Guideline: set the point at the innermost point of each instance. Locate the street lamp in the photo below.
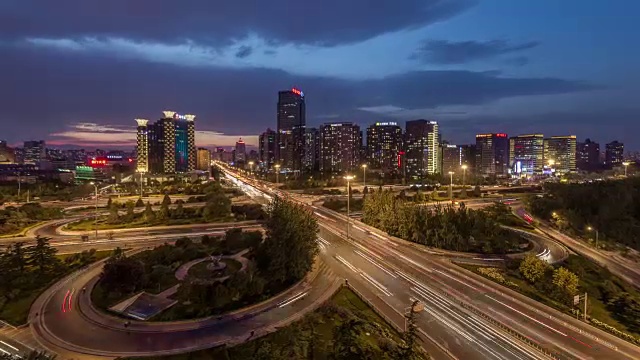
(451, 186)
(626, 165)
(277, 166)
(464, 174)
(364, 176)
(95, 224)
(348, 178)
(596, 230)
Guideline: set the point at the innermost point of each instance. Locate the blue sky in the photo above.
(79, 72)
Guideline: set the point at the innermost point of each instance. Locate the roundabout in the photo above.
(64, 320)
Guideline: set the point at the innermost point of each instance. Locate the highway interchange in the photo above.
(465, 317)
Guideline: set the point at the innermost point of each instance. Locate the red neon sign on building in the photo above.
(297, 92)
(501, 135)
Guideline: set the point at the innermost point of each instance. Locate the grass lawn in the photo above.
(592, 277)
(200, 270)
(89, 224)
(22, 231)
(343, 305)
(16, 312)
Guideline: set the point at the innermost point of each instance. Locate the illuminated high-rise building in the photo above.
(340, 145)
(560, 154)
(588, 155)
(203, 162)
(171, 144)
(311, 150)
(450, 157)
(142, 146)
(492, 155)
(384, 143)
(291, 129)
(267, 148)
(241, 153)
(422, 148)
(526, 154)
(34, 152)
(614, 154)
(7, 154)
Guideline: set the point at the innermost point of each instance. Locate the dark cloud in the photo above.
(326, 22)
(51, 90)
(244, 51)
(517, 61)
(450, 52)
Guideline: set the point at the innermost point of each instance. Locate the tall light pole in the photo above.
(596, 230)
(364, 176)
(140, 184)
(464, 174)
(451, 186)
(277, 166)
(626, 165)
(95, 223)
(348, 178)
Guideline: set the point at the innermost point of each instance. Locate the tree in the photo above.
(410, 349)
(533, 268)
(565, 284)
(148, 214)
(123, 275)
(163, 213)
(218, 206)
(42, 256)
(130, 213)
(347, 344)
(114, 217)
(290, 247)
(109, 203)
(139, 203)
(178, 212)
(17, 256)
(476, 191)
(166, 200)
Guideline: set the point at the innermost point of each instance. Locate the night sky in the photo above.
(78, 72)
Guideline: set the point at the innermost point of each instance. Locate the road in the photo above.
(398, 272)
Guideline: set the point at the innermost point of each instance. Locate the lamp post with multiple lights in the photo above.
(95, 222)
(348, 178)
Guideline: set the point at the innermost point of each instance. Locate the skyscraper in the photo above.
(526, 154)
(203, 162)
(291, 125)
(384, 143)
(339, 147)
(241, 153)
(560, 153)
(614, 153)
(451, 158)
(311, 150)
(468, 157)
(421, 144)
(492, 154)
(142, 146)
(588, 155)
(7, 154)
(34, 151)
(267, 148)
(170, 143)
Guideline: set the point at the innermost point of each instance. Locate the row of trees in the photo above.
(27, 268)
(609, 206)
(444, 227)
(560, 283)
(13, 219)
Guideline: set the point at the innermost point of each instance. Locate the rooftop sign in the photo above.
(297, 92)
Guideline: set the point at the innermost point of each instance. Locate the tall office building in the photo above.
(588, 155)
(340, 145)
(560, 153)
(421, 148)
(203, 161)
(34, 151)
(468, 157)
(384, 143)
(526, 154)
(451, 158)
(291, 125)
(142, 146)
(240, 158)
(492, 155)
(170, 143)
(311, 150)
(267, 148)
(614, 153)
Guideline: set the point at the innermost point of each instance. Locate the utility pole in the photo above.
(585, 307)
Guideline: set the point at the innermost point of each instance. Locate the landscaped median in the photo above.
(613, 305)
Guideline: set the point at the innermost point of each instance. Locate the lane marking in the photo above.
(525, 315)
(293, 299)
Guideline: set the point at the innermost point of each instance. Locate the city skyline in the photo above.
(448, 61)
